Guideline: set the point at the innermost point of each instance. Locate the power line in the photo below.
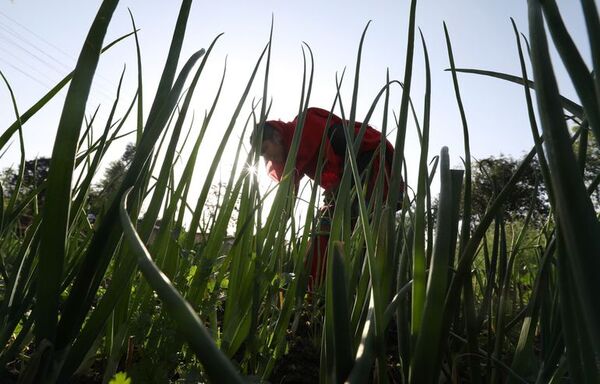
(105, 86)
(40, 76)
(25, 73)
(30, 53)
(23, 40)
(69, 56)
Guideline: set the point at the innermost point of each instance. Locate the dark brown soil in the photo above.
(300, 365)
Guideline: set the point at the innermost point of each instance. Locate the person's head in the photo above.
(272, 148)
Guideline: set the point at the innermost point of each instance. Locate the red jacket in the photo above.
(310, 142)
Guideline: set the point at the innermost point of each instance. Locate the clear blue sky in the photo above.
(40, 41)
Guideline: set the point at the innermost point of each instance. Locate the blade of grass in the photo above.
(427, 345)
(7, 134)
(170, 68)
(123, 274)
(193, 294)
(567, 104)
(576, 68)
(53, 233)
(155, 204)
(419, 256)
(140, 93)
(532, 120)
(592, 22)
(107, 236)
(216, 364)
(340, 316)
(21, 170)
(364, 354)
(574, 209)
(579, 346)
(466, 220)
(93, 166)
(396, 180)
(505, 286)
(188, 242)
(524, 349)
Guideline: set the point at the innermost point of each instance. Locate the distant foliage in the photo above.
(492, 173)
(120, 378)
(34, 174)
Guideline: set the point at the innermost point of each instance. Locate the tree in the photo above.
(491, 174)
(35, 173)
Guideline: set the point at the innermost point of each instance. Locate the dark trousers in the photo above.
(318, 247)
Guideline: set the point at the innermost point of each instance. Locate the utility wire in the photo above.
(102, 84)
(24, 73)
(39, 37)
(5, 32)
(11, 52)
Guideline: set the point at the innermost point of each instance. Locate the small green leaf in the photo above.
(120, 378)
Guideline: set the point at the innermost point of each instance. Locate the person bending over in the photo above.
(276, 143)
